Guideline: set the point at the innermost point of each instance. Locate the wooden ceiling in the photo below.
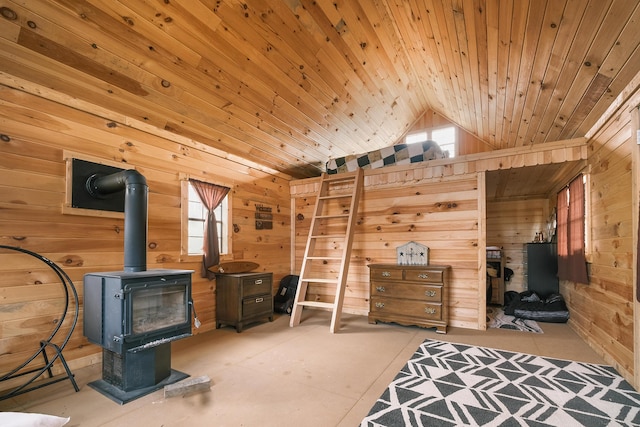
(531, 182)
(288, 84)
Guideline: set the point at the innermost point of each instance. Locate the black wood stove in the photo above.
(136, 313)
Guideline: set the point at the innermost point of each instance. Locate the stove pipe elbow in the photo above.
(135, 212)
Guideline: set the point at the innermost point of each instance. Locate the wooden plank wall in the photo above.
(441, 204)
(35, 134)
(635, 158)
(602, 311)
(467, 143)
(441, 213)
(511, 224)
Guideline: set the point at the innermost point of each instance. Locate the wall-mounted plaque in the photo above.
(412, 253)
(264, 218)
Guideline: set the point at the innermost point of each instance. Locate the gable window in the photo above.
(445, 137)
(572, 263)
(205, 234)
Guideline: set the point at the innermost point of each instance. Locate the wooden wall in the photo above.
(467, 143)
(511, 224)
(398, 205)
(35, 134)
(603, 311)
(441, 204)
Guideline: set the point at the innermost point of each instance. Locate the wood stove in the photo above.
(135, 314)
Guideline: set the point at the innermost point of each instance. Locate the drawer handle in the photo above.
(430, 293)
(423, 275)
(380, 288)
(258, 282)
(386, 274)
(430, 310)
(259, 300)
(379, 305)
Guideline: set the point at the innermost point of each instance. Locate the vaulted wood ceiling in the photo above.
(288, 84)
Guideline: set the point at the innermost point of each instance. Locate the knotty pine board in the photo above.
(602, 311)
(40, 133)
(440, 218)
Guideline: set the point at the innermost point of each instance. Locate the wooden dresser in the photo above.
(243, 298)
(409, 295)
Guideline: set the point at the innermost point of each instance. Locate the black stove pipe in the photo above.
(135, 212)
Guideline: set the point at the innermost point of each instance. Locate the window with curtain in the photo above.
(572, 264)
(206, 222)
(197, 214)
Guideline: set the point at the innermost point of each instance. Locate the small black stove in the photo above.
(136, 313)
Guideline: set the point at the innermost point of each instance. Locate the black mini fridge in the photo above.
(542, 269)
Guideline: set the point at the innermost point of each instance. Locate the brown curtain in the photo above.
(562, 218)
(572, 263)
(211, 196)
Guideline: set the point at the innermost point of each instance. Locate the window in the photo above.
(445, 137)
(194, 216)
(572, 263)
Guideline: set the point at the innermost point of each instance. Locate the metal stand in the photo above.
(130, 375)
(37, 372)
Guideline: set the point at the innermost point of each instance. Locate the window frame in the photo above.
(429, 137)
(586, 230)
(586, 181)
(184, 223)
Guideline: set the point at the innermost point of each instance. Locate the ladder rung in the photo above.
(325, 257)
(316, 304)
(328, 236)
(339, 177)
(332, 216)
(302, 279)
(336, 196)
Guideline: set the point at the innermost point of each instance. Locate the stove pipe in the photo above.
(135, 212)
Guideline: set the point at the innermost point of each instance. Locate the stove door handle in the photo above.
(196, 321)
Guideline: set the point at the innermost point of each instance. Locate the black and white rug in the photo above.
(496, 318)
(448, 384)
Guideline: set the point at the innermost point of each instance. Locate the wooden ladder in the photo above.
(331, 230)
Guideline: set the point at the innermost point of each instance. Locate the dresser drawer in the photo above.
(430, 293)
(425, 275)
(256, 285)
(385, 274)
(256, 306)
(243, 298)
(409, 295)
(416, 309)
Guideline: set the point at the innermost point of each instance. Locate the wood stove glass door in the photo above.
(158, 308)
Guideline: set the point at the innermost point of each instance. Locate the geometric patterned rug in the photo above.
(449, 384)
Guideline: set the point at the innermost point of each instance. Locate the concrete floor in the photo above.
(274, 375)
